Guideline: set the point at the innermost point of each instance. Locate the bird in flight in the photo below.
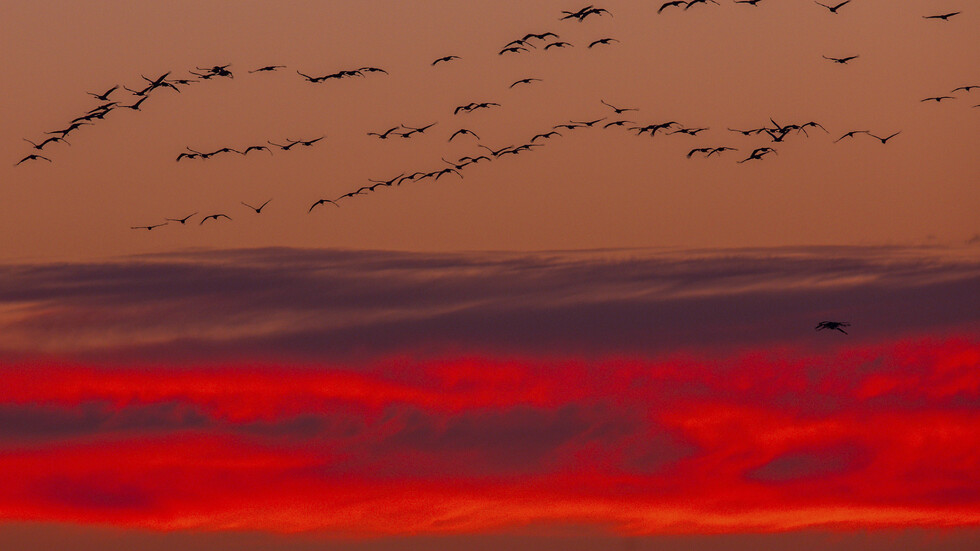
(463, 131)
(671, 4)
(692, 2)
(944, 17)
(268, 68)
(964, 88)
(322, 201)
(181, 220)
(885, 140)
(841, 60)
(513, 49)
(759, 153)
(546, 135)
(215, 217)
(938, 99)
(446, 59)
(558, 44)
(525, 81)
(187, 156)
(41, 145)
(256, 148)
(617, 110)
(749, 2)
(33, 157)
(602, 41)
(147, 227)
(833, 9)
(105, 95)
(832, 325)
(258, 209)
(851, 134)
(136, 106)
(384, 135)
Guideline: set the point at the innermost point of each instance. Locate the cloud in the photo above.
(358, 305)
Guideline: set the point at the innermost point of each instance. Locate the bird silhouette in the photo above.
(749, 2)
(312, 79)
(463, 131)
(617, 110)
(851, 134)
(617, 123)
(372, 70)
(147, 227)
(833, 9)
(446, 59)
(885, 140)
(322, 201)
(33, 157)
(306, 143)
(258, 209)
(525, 81)
(181, 220)
(546, 135)
(964, 88)
(71, 127)
(384, 135)
(671, 4)
(558, 44)
(944, 17)
(704, 150)
(720, 150)
(541, 36)
(938, 99)
(841, 60)
(268, 68)
(136, 106)
(105, 95)
(513, 49)
(692, 2)
(759, 153)
(602, 41)
(832, 325)
(214, 217)
(256, 148)
(187, 156)
(41, 145)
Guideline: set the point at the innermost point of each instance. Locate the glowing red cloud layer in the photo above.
(769, 440)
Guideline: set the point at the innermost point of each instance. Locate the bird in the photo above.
(749, 2)
(256, 148)
(372, 70)
(833, 9)
(268, 68)
(688, 131)
(546, 135)
(41, 145)
(748, 132)
(938, 99)
(699, 150)
(851, 134)
(602, 41)
(832, 325)
(558, 44)
(496, 153)
(541, 36)
(519, 42)
(525, 81)
(384, 135)
(416, 130)
(71, 127)
(692, 2)
(320, 202)
(617, 110)
(258, 209)
(589, 124)
(758, 153)
(33, 157)
(181, 220)
(513, 49)
(136, 106)
(306, 143)
(446, 59)
(720, 150)
(885, 140)
(147, 227)
(105, 95)
(311, 78)
(944, 17)
(283, 147)
(841, 60)
(617, 123)
(671, 4)
(215, 217)
(224, 150)
(187, 156)
(964, 88)
(463, 131)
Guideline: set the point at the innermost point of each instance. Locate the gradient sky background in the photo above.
(596, 344)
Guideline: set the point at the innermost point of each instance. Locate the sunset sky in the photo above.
(602, 342)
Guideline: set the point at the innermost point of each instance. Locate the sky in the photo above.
(605, 340)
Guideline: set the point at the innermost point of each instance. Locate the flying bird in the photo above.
(463, 131)
(105, 95)
(964, 88)
(541, 36)
(136, 106)
(187, 156)
(671, 4)
(937, 99)
(944, 17)
(384, 135)
(832, 325)
(558, 44)
(181, 220)
(256, 148)
(147, 227)
(617, 110)
(41, 145)
(749, 2)
(215, 217)
(851, 134)
(546, 135)
(525, 81)
(692, 2)
(513, 49)
(322, 201)
(759, 153)
(446, 59)
(833, 9)
(268, 68)
(841, 60)
(258, 209)
(603, 41)
(885, 140)
(33, 157)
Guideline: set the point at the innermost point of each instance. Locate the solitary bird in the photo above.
(525, 81)
(105, 95)
(322, 201)
(258, 209)
(833, 9)
(964, 88)
(147, 227)
(268, 68)
(181, 220)
(603, 41)
(885, 140)
(215, 217)
(944, 17)
(33, 157)
(938, 99)
(617, 110)
(851, 134)
(841, 60)
(446, 59)
(832, 325)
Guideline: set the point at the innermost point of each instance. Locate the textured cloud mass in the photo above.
(371, 393)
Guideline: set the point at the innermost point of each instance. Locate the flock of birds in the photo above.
(616, 117)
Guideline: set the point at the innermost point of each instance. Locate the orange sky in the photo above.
(712, 66)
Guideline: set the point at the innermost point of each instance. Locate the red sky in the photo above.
(597, 343)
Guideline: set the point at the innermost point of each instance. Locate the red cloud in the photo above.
(869, 436)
